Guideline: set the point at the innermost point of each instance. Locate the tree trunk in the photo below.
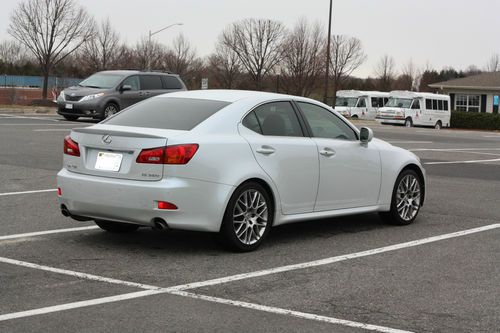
(334, 96)
(46, 73)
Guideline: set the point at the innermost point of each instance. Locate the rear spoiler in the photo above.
(89, 130)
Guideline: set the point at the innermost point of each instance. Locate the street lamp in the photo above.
(154, 33)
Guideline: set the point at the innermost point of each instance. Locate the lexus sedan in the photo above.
(234, 163)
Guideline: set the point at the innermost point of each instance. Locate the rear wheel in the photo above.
(248, 218)
(71, 118)
(116, 227)
(406, 199)
(408, 122)
(355, 117)
(438, 125)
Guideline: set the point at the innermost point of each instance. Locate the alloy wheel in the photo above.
(250, 216)
(110, 110)
(408, 197)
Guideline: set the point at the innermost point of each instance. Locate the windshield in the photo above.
(346, 101)
(399, 102)
(101, 80)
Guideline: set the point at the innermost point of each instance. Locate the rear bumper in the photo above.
(200, 204)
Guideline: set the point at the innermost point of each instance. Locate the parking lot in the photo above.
(353, 274)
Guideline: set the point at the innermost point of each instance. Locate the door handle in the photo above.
(327, 152)
(266, 150)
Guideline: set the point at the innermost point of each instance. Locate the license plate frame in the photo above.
(69, 106)
(106, 161)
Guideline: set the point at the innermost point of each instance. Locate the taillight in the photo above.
(166, 205)
(178, 154)
(71, 147)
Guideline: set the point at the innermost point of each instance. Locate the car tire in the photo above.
(116, 227)
(355, 117)
(248, 218)
(71, 118)
(438, 125)
(407, 197)
(109, 110)
(408, 122)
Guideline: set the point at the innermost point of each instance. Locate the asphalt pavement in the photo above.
(352, 274)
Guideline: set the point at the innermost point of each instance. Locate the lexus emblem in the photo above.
(106, 139)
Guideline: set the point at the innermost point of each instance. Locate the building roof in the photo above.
(484, 81)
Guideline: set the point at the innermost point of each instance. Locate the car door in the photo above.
(350, 172)
(151, 85)
(288, 157)
(132, 96)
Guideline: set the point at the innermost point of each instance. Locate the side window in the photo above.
(440, 104)
(251, 122)
(325, 124)
(445, 105)
(278, 119)
(416, 104)
(132, 81)
(361, 103)
(375, 103)
(428, 104)
(171, 82)
(151, 82)
(434, 104)
(386, 99)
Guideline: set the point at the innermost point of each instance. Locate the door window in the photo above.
(132, 81)
(151, 82)
(251, 122)
(278, 119)
(361, 103)
(325, 124)
(416, 104)
(171, 82)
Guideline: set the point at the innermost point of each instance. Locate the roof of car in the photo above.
(128, 72)
(230, 96)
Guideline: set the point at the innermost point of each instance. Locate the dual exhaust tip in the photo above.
(158, 222)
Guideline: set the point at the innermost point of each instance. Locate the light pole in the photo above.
(327, 72)
(154, 33)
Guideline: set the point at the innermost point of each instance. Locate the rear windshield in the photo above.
(167, 113)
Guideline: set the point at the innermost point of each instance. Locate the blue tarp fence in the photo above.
(36, 81)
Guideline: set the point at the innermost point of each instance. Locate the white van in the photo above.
(360, 104)
(416, 109)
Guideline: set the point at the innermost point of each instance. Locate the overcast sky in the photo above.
(442, 33)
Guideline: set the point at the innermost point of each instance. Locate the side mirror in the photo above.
(365, 135)
(126, 87)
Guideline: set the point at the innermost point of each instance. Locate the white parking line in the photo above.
(290, 313)
(453, 149)
(27, 117)
(27, 192)
(46, 232)
(47, 124)
(463, 162)
(76, 274)
(180, 288)
(397, 141)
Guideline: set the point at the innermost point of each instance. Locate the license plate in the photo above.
(69, 106)
(108, 161)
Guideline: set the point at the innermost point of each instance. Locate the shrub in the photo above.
(474, 120)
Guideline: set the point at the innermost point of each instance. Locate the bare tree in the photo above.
(346, 56)
(385, 72)
(493, 64)
(302, 62)
(12, 52)
(225, 65)
(408, 77)
(99, 52)
(148, 54)
(257, 42)
(51, 30)
(180, 57)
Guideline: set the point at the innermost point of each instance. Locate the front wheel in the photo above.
(406, 199)
(116, 227)
(408, 122)
(109, 110)
(438, 125)
(248, 218)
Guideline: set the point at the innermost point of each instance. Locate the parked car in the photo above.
(105, 93)
(233, 163)
(416, 109)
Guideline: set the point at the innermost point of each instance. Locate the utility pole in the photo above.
(327, 69)
(151, 34)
